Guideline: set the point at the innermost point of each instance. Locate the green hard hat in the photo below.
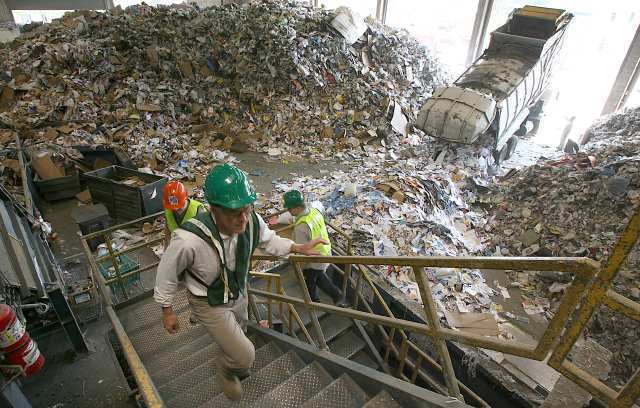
(293, 198)
(228, 186)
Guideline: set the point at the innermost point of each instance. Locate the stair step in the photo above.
(262, 382)
(299, 388)
(155, 340)
(186, 363)
(382, 400)
(148, 313)
(341, 393)
(332, 325)
(347, 344)
(362, 357)
(292, 288)
(199, 386)
(165, 360)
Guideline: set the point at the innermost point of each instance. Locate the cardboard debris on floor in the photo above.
(482, 324)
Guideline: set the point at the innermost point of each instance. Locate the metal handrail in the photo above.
(584, 294)
(293, 313)
(584, 270)
(147, 388)
(404, 359)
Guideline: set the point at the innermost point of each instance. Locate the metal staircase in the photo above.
(340, 333)
(286, 372)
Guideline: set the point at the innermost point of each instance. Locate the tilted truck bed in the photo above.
(493, 96)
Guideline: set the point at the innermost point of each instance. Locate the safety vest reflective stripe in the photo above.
(219, 248)
(315, 221)
(192, 211)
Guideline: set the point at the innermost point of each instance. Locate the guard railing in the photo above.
(589, 289)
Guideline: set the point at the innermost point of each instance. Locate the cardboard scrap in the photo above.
(482, 324)
(200, 180)
(186, 69)
(45, 167)
(148, 107)
(84, 197)
(101, 163)
(12, 164)
(7, 97)
(152, 54)
(6, 135)
(50, 134)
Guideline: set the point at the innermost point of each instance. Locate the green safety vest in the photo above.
(315, 221)
(230, 283)
(192, 211)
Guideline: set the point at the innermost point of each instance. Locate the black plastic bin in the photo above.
(112, 155)
(59, 188)
(125, 202)
(92, 218)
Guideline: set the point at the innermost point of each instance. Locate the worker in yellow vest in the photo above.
(309, 225)
(178, 207)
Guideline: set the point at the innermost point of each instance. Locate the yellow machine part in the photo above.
(543, 13)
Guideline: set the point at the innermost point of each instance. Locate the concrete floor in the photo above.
(263, 171)
(70, 380)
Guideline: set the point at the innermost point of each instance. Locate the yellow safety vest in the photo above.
(192, 211)
(315, 221)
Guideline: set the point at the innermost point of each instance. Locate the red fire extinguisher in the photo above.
(15, 342)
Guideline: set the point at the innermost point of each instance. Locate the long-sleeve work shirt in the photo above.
(188, 251)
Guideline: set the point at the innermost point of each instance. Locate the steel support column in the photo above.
(13, 395)
(381, 10)
(479, 32)
(5, 13)
(68, 320)
(626, 78)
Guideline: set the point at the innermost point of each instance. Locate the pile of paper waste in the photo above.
(579, 206)
(182, 88)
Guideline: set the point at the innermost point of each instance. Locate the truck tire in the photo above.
(511, 145)
(500, 155)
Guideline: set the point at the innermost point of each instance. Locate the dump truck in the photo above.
(490, 102)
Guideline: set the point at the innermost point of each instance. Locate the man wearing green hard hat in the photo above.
(212, 251)
(309, 227)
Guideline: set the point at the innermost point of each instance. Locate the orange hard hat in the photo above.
(175, 195)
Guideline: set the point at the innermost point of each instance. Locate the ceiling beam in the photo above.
(626, 78)
(59, 4)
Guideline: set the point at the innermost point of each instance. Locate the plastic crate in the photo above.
(112, 155)
(59, 188)
(92, 218)
(125, 265)
(125, 202)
